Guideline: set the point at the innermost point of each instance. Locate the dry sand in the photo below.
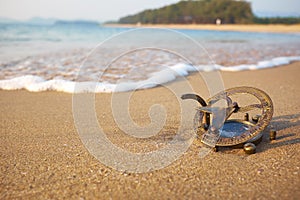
(274, 28)
(42, 156)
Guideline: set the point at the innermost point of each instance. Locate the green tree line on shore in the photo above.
(204, 12)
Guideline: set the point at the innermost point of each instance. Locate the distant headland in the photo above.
(204, 12)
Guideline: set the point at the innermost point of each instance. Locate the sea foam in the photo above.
(38, 84)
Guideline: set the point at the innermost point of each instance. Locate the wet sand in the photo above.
(273, 28)
(42, 156)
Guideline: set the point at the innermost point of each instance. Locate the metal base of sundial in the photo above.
(215, 131)
(234, 128)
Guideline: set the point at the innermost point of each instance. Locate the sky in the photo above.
(104, 10)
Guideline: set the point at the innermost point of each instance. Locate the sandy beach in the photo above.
(42, 156)
(273, 28)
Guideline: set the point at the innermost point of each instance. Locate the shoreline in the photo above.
(271, 28)
(43, 157)
(33, 83)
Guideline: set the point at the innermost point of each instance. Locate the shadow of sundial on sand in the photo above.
(285, 121)
(286, 127)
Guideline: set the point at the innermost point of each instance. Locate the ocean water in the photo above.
(56, 57)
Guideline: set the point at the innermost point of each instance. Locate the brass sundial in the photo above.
(218, 120)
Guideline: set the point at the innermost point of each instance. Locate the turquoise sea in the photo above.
(50, 57)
